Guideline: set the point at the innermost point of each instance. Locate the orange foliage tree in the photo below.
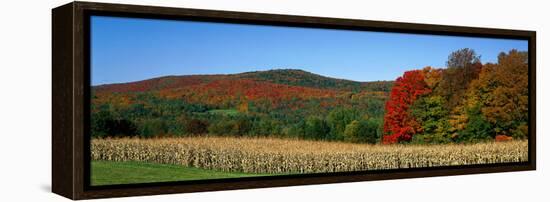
(502, 94)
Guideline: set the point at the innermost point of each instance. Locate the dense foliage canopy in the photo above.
(466, 102)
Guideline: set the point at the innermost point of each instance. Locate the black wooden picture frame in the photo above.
(71, 82)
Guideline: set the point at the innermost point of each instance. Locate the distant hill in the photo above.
(282, 102)
(289, 77)
(295, 77)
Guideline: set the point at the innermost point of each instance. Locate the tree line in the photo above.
(466, 102)
(354, 117)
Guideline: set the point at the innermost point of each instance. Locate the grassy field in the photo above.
(110, 172)
(276, 156)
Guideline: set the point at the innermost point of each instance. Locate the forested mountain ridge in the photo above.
(284, 102)
(291, 77)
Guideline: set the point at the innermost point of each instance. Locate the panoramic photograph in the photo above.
(175, 100)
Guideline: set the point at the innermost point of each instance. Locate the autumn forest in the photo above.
(467, 102)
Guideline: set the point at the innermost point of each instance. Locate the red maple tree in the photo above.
(399, 125)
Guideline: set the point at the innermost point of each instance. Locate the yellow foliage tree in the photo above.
(502, 92)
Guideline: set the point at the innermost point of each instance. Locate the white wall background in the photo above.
(25, 100)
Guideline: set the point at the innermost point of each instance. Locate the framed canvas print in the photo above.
(156, 100)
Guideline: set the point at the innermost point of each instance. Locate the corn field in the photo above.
(277, 156)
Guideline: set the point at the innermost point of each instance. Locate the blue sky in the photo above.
(128, 49)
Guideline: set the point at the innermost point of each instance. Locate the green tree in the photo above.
(104, 124)
(221, 127)
(153, 127)
(316, 128)
(242, 126)
(431, 113)
(263, 126)
(296, 130)
(477, 128)
(375, 107)
(99, 122)
(338, 119)
(363, 131)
